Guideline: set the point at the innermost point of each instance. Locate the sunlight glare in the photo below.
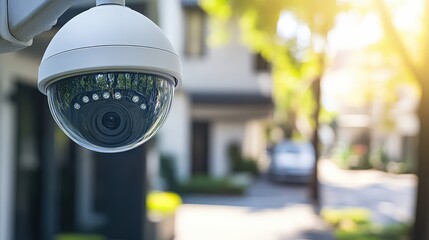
(353, 31)
(287, 26)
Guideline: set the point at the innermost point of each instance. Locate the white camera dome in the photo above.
(110, 75)
(108, 37)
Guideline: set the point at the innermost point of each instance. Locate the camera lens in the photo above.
(111, 120)
(111, 123)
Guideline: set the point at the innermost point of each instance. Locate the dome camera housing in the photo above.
(110, 75)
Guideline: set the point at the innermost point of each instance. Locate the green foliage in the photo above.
(378, 159)
(296, 63)
(353, 157)
(400, 167)
(358, 156)
(246, 165)
(76, 236)
(240, 163)
(167, 166)
(370, 232)
(344, 217)
(208, 185)
(219, 8)
(355, 224)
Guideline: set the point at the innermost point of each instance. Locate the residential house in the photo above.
(224, 100)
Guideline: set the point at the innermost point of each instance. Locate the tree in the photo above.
(413, 49)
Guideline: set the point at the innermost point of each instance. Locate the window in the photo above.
(195, 32)
(260, 64)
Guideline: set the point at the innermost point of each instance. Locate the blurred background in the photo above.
(296, 120)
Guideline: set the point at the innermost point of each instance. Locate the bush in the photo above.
(378, 159)
(355, 224)
(353, 157)
(398, 231)
(167, 166)
(208, 185)
(240, 163)
(75, 236)
(246, 165)
(358, 157)
(163, 202)
(342, 217)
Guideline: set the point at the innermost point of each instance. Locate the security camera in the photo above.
(109, 75)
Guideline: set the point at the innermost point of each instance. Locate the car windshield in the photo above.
(288, 150)
(292, 148)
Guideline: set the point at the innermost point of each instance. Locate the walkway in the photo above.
(390, 197)
(267, 212)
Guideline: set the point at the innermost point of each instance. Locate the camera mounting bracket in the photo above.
(22, 20)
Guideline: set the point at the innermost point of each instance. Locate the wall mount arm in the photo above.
(22, 20)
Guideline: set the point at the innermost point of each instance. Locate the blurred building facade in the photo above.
(49, 185)
(224, 99)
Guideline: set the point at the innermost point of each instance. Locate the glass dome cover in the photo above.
(111, 111)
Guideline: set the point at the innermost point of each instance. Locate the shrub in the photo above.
(358, 157)
(340, 217)
(75, 236)
(246, 165)
(163, 202)
(353, 157)
(240, 163)
(207, 185)
(355, 224)
(378, 159)
(167, 166)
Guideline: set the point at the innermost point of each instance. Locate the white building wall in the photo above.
(226, 68)
(174, 136)
(222, 69)
(171, 21)
(222, 135)
(255, 142)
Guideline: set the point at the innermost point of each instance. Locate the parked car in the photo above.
(292, 161)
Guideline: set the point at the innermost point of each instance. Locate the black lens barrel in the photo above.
(111, 123)
(111, 120)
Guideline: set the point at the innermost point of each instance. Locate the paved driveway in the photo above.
(267, 212)
(283, 212)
